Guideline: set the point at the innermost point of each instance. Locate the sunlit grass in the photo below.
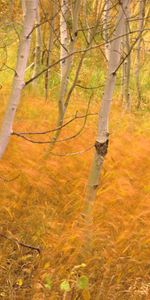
(43, 205)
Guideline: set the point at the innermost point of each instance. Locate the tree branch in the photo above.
(20, 243)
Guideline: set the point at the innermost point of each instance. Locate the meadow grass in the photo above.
(42, 207)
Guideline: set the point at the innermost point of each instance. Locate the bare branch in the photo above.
(77, 52)
(20, 243)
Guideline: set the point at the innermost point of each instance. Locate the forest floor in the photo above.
(41, 198)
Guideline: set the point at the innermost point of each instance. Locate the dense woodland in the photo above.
(74, 149)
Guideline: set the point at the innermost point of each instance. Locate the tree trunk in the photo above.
(63, 35)
(102, 140)
(137, 71)
(106, 28)
(127, 62)
(18, 80)
(65, 71)
(97, 5)
(38, 48)
(50, 46)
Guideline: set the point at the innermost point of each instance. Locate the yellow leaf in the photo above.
(19, 282)
(46, 266)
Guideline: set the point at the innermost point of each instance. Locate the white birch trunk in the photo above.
(62, 106)
(68, 63)
(18, 81)
(106, 28)
(123, 65)
(50, 46)
(137, 71)
(127, 62)
(102, 140)
(38, 47)
(63, 35)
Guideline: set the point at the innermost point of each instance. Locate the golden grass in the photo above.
(42, 207)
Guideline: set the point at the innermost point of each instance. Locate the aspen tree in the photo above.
(63, 36)
(127, 62)
(106, 28)
(101, 144)
(97, 5)
(138, 50)
(50, 46)
(38, 47)
(66, 68)
(18, 80)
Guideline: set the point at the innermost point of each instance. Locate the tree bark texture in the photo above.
(18, 80)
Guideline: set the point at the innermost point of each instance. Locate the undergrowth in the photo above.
(41, 202)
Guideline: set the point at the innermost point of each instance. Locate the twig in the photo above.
(89, 88)
(73, 153)
(74, 53)
(55, 129)
(20, 243)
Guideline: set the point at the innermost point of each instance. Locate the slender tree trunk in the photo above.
(102, 140)
(65, 71)
(50, 46)
(127, 62)
(18, 80)
(106, 28)
(63, 36)
(38, 47)
(85, 12)
(97, 5)
(137, 70)
(65, 66)
(123, 70)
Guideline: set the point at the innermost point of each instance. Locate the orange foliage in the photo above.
(42, 206)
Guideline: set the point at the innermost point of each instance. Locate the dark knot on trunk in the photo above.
(102, 148)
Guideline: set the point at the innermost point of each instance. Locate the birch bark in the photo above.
(62, 105)
(102, 140)
(127, 62)
(18, 80)
(50, 46)
(63, 35)
(38, 47)
(106, 28)
(137, 71)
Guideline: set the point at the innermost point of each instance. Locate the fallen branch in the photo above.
(20, 243)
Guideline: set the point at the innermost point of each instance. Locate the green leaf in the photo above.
(48, 282)
(83, 282)
(48, 286)
(65, 286)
